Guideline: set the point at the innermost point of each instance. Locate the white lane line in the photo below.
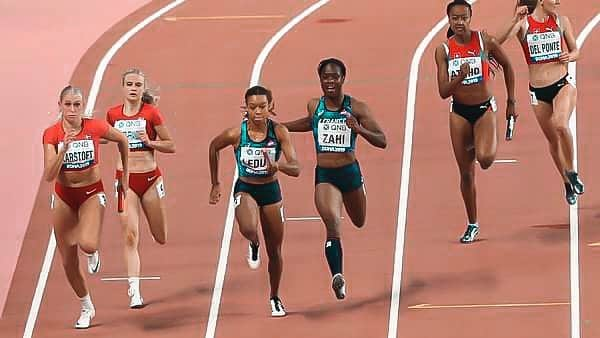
(405, 176)
(213, 315)
(308, 218)
(39, 290)
(573, 210)
(97, 82)
(118, 279)
(41, 286)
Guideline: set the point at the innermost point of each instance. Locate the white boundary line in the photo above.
(118, 279)
(405, 176)
(213, 315)
(573, 210)
(41, 285)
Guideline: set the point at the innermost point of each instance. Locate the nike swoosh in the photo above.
(151, 178)
(89, 192)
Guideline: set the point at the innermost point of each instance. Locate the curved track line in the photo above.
(405, 175)
(228, 228)
(94, 90)
(573, 210)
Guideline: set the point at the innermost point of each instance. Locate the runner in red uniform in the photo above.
(463, 74)
(548, 46)
(71, 156)
(145, 128)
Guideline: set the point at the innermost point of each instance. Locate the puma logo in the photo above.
(470, 52)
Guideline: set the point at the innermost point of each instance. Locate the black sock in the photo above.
(333, 253)
(569, 188)
(254, 251)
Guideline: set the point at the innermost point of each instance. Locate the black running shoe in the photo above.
(253, 257)
(470, 234)
(573, 178)
(277, 309)
(570, 194)
(338, 284)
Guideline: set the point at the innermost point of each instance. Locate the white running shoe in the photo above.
(253, 256)
(85, 318)
(338, 284)
(93, 262)
(135, 299)
(277, 309)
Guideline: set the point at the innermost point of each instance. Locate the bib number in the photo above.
(131, 128)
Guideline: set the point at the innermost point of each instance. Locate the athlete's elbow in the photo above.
(444, 94)
(48, 177)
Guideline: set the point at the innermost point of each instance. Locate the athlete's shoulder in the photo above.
(53, 130)
(312, 104)
(96, 125)
(115, 110)
(359, 106)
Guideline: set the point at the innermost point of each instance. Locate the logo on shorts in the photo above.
(90, 192)
(151, 178)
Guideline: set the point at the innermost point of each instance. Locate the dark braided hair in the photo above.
(333, 61)
(258, 90)
(452, 5)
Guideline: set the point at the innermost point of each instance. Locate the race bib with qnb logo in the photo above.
(544, 46)
(334, 135)
(79, 155)
(475, 72)
(254, 161)
(131, 128)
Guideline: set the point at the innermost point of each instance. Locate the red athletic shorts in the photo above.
(141, 182)
(74, 197)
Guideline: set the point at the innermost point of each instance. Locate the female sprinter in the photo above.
(335, 120)
(258, 143)
(549, 45)
(463, 73)
(71, 156)
(146, 131)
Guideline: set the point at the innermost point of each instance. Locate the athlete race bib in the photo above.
(80, 154)
(334, 135)
(254, 161)
(131, 128)
(475, 72)
(544, 46)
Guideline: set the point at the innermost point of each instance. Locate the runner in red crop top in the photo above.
(463, 74)
(548, 46)
(143, 124)
(71, 156)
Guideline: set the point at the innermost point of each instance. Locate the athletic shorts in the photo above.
(141, 182)
(346, 178)
(263, 194)
(472, 113)
(75, 197)
(548, 93)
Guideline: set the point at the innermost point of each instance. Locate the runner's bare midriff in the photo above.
(335, 160)
(139, 162)
(545, 74)
(82, 178)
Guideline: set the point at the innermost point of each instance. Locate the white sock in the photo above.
(134, 283)
(86, 302)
